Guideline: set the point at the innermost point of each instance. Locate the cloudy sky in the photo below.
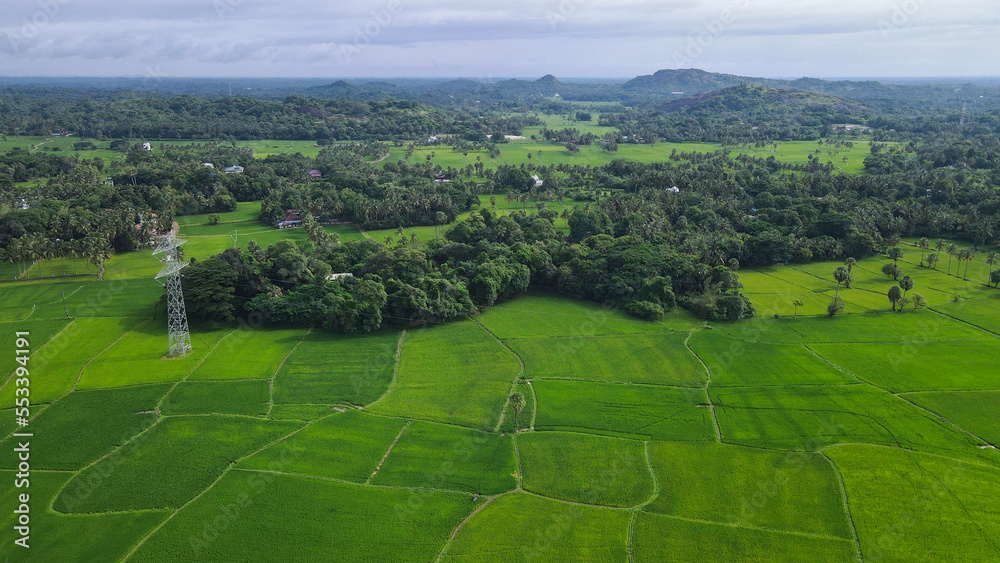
(498, 38)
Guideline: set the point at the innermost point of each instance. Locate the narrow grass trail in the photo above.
(708, 384)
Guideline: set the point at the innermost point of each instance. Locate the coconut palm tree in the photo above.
(952, 250)
(991, 259)
(923, 245)
(388, 240)
(797, 303)
(970, 255)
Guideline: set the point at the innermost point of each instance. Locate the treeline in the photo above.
(481, 260)
(243, 118)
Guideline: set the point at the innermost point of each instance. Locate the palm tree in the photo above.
(413, 238)
(906, 284)
(797, 303)
(952, 250)
(932, 260)
(517, 401)
(970, 255)
(850, 263)
(895, 296)
(961, 256)
(939, 245)
(991, 260)
(923, 245)
(840, 274)
(895, 253)
(388, 240)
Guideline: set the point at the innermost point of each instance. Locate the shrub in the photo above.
(646, 310)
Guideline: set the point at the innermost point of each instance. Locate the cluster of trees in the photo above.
(227, 118)
(480, 261)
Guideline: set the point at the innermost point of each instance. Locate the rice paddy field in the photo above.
(867, 437)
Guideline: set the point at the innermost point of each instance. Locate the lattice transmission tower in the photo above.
(179, 338)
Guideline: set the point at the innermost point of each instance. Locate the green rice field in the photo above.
(867, 437)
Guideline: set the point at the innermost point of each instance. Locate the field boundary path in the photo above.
(270, 386)
(708, 383)
(387, 452)
(395, 371)
(847, 507)
(458, 528)
(228, 469)
(513, 386)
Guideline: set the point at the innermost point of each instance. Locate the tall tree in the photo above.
(895, 253)
(841, 275)
(796, 304)
(906, 284)
(924, 244)
(895, 296)
(991, 260)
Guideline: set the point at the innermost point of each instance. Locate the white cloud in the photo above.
(501, 38)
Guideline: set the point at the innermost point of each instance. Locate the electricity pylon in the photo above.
(179, 337)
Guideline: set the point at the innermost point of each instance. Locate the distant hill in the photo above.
(548, 80)
(750, 98)
(692, 81)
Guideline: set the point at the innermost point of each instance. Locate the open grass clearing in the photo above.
(639, 411)
(585, 469)
(975, 411)
(60, 361)
(144, 351)
(910, 506)
(544, 314)
(169, 465)
(736, 363)
(331, 369)
(83, 426)
(248, 398)
(232, 358)
(872, 327)
(346, 446)
(455, 373)
(661, 539)
(920, 365)
(283, 518)
(658, 359)
(521, 526)
(813, 417)
(789, 491)
(94, 538)
(436, 456)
